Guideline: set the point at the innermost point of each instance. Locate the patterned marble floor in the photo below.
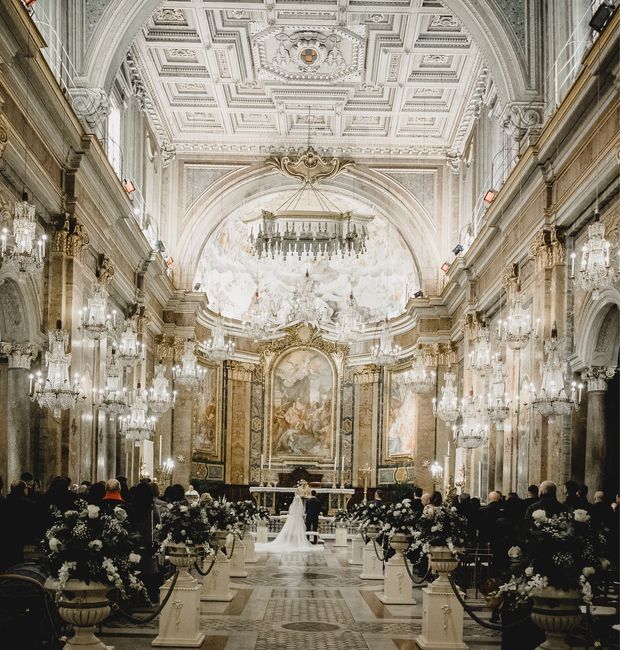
(303, 602)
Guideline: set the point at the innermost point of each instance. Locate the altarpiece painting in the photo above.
(399, 418)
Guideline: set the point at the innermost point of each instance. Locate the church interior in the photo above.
(366, 248)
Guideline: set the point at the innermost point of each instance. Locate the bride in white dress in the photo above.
(292, 537)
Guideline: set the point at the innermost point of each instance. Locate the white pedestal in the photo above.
(216, 585)
(357, 544)
(442, 618)
(237, 561)
(372, 568)
(397, 585)
(250, 550)
(262, 534)
(179, 621)
(341, 537)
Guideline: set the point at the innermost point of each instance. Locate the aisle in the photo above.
(304, 602)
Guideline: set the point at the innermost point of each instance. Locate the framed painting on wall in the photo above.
(302, 390)
(207, 420)
(400, 417)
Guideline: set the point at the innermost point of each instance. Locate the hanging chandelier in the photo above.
(516, 330)
(189, 373)
(596, 271)
(498, 404)
(419, 378)
(308, 224)
(113, 397)
(58, 391)
(258, 323)
(137, 424)
(436, 470)
(553, 398)
(447, 408)
(305, 306)
(350, 324)
(385, 352)
(130, 350)
(20, 249)
(217, 348)
(160, 397)
(481, 356)
(472, 428)
(95, 321)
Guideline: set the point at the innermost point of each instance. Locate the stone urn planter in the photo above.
(400, 542)
(443, 562)
(556, 613)
(182, 557)
(372, 531)
(84, 606)
(220, 537)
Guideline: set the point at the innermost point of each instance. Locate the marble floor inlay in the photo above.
(303, 602)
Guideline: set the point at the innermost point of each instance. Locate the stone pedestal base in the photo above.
(216, 585)
(341, 537)
(372, 568)
(179, 621)
(261, 534)
(250, 551)
(397, 585)
(237, 561)
(357, 544)
(442, 618)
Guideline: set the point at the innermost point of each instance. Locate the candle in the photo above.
(335, 464)
(269, 462)
(261, 461)
(572, 264)
(342, 466)
(160, 446)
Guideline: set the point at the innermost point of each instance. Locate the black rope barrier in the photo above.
(208, 571)
(416, 582)
(140, 621)
(232, 548)
(490, 626)
(381, 559)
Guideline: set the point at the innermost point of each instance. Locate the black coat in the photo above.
(313, 509)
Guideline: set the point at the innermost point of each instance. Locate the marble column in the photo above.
(596, 436)
(19, 356)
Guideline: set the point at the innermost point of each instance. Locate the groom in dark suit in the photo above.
(313, 510)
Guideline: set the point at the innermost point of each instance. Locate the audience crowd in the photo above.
(24, 513)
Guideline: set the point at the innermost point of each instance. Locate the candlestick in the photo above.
(160, 446)
(342, 465)
(335, 464)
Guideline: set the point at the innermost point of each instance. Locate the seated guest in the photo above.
(112, 497)
(59, 495)
(96, 492)
(19, 523)
(582, 496)
(571, 500)
(378, 496)
(436, 499)
(548, 501)
(416, 503)
(425, 499)
(532, 497)
(174, 493)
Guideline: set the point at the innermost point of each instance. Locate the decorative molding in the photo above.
(596, 377)
(240, 371)
(366, 374)
(309, 167)
(69, 237)
(91, 105)
(19, 355)
(168, 152)
(4, 138)
(548, 248)
(520, 119)
(105, 270)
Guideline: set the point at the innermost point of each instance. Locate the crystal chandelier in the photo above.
(113, 398)
(516, 330)
(137, 424)
(552, 398)
(95, 319)
(189, 373)
(596, 271)
(447, 409)
(130, 350)
(481, 357)
(320, 228)
(305, 306)
(350, 324)
(160, 397)
(418, 378)
(19, 250)
(472, 430)
(217, 348)
(58, 392)
(498, 403)
(436, 470)
(385, 352)
(258, 323)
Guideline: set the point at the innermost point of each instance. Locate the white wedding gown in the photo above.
(292, 537)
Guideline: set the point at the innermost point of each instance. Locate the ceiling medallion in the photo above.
(320, 228)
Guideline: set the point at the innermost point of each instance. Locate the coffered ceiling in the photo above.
(395, 77)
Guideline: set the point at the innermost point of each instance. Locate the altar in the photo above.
(337, 498)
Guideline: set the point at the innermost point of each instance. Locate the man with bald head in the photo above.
(548, 501)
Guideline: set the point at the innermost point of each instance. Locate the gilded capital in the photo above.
(366, 374)
(19, 355)
(596, 377)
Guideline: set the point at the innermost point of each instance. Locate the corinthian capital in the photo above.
(596, 377)
(20, 355)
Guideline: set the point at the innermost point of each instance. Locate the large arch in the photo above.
(222, 197)
(122, 19)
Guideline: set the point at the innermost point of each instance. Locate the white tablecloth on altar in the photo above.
(293, 490)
